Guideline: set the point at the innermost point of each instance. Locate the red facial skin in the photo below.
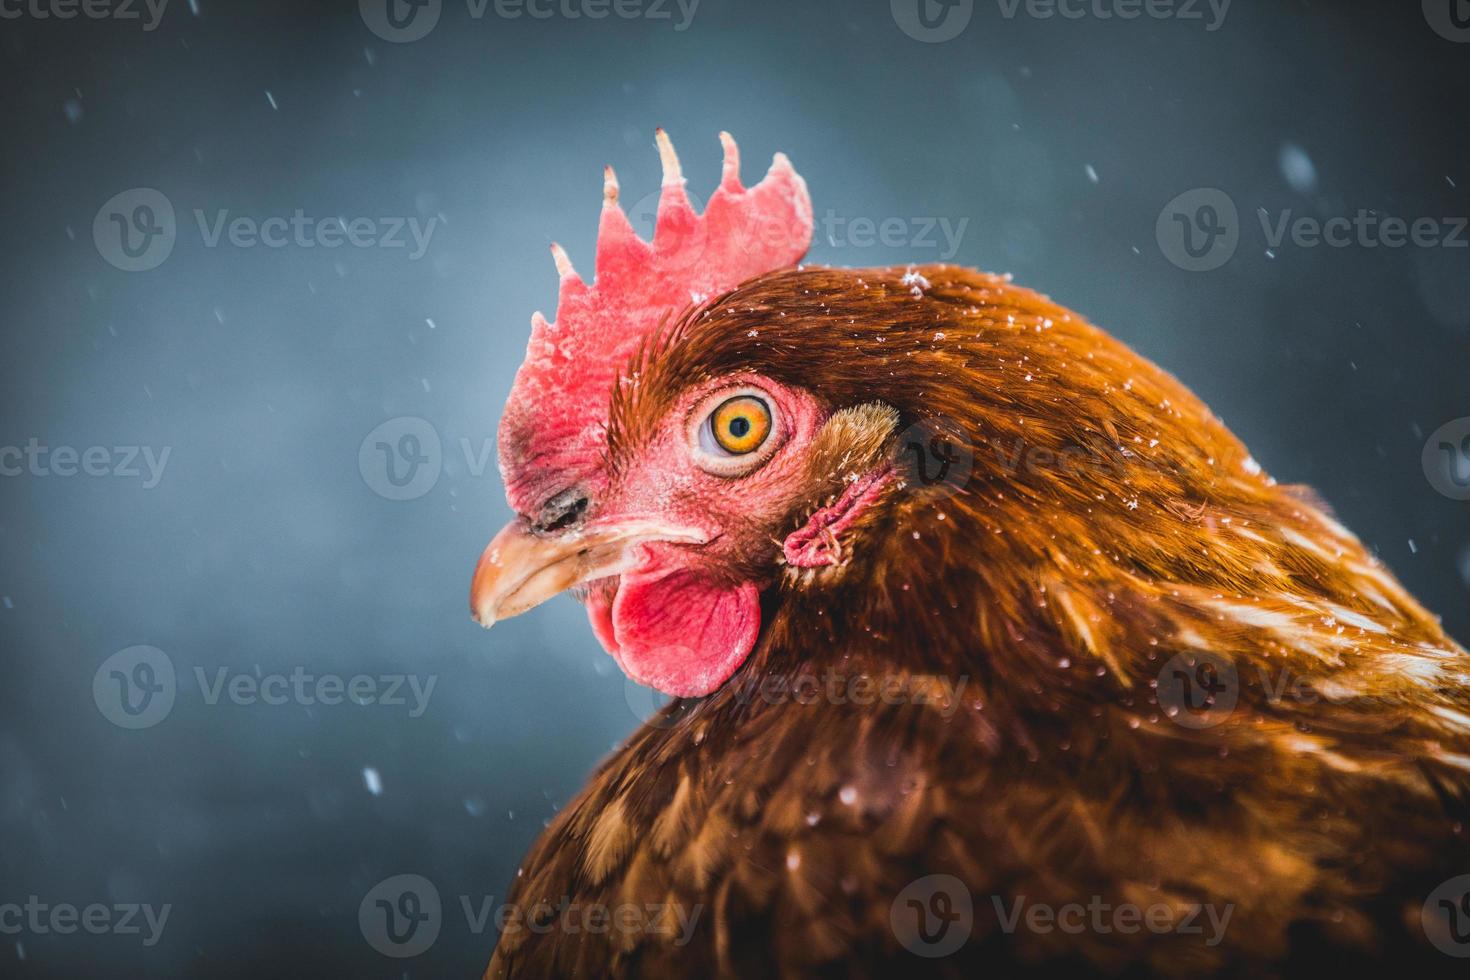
(685, 616)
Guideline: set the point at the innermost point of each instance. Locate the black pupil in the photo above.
(739, 426)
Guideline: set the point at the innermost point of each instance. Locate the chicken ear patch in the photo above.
(681, 632)
(818, 542)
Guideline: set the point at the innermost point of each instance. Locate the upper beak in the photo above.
(520, 570)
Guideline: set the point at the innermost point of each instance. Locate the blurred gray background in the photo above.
(1049, 146)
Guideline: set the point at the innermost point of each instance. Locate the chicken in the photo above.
(978, 625)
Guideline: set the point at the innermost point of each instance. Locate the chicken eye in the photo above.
(733, 431)
(740, 425)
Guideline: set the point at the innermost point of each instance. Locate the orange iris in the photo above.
(741, 424)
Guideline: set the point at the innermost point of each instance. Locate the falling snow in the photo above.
(1298, 168)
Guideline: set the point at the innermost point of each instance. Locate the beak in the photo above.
(520, 570)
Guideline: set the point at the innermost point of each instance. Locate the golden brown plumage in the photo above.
(1111, 537)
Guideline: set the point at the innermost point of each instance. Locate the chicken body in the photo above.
(1109, 665)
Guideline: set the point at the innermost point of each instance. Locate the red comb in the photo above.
(554, 427)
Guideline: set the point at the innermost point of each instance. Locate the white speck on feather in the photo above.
(848, 795)
(917, 281)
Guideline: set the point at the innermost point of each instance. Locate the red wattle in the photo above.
(679, 632)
